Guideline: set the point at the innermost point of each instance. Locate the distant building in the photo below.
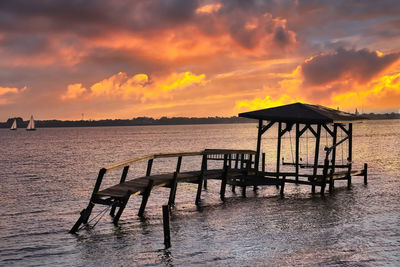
(356, 112)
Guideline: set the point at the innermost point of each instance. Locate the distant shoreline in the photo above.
(146, 121)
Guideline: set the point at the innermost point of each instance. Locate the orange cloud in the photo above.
(7, 91)
(138, 86)
(348, 87)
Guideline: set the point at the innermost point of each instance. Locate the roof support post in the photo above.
(297, 150)
(350, 155)
(333, 162)
(257, 159)
(278, 153)
(317, 141)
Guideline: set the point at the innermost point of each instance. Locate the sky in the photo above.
(97, 59)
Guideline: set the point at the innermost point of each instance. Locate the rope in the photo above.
(100, 213)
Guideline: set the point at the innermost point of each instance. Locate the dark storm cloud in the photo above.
(361, 65)
(93, 15)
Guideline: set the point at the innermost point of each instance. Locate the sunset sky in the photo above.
(125, 59)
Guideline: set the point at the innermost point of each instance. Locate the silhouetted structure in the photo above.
(240, 167)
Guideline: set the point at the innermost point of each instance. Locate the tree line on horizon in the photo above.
(138, 121)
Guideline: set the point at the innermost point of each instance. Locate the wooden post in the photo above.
(205, 178)
(172, 192)
(241, 161)
(350, 156)
(333, 162)
(224, 178)
(278, 153)
(317, 141)
(283, 185)
(167, 236)
(123, 177)
(149, 165)
(237, 161)
(201, 179)
(365, 173)
(324, 174)
(145, 197)
(123, 205)
(263, 162)
(85, 214)
(257, 159)
(297, 150)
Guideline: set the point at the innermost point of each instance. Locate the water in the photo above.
(47, 176)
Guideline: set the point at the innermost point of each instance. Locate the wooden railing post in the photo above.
(224, 178)
(201, 179)
(123, 178)
(145, 197)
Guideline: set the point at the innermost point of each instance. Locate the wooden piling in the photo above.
(145, 198)
(123, 205)
(201, 179)
(263, 162)
(283, 185)
(122, 180)
(317, 141)
(172, 193)
(297, 150)
(167, 236)
(224, 179)
(365, 173)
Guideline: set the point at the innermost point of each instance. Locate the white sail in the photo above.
(14, 125)
(31, 125)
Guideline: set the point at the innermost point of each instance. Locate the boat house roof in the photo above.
(302, 113)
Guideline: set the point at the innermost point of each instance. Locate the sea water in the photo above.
(47, 176)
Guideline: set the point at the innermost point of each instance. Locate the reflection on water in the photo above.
(47, 177)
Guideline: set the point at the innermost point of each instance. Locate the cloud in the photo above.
(6, 92)
(137, 87)
(74, 91)
(360, 66)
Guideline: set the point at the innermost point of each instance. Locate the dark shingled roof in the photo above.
(302, 113)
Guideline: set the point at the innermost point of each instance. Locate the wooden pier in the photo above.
(239, 168)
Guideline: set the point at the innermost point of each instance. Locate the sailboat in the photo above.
(14, 125)
(31, 125)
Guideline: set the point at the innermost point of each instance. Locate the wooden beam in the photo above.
(343, 128)
(297, 150)
(266, 127)
(201, 179)
(263, 162)
(350, 152)
(224, 179)
(145, 197)
(317, 141)
(123, 205)
(149, 165)
(302, 131)
(331, 133)
(333, 161)
(122, 180)
(278, 153)
(313, 131)
(260, 123)
(172, 193)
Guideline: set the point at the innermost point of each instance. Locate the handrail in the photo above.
(129, 162)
